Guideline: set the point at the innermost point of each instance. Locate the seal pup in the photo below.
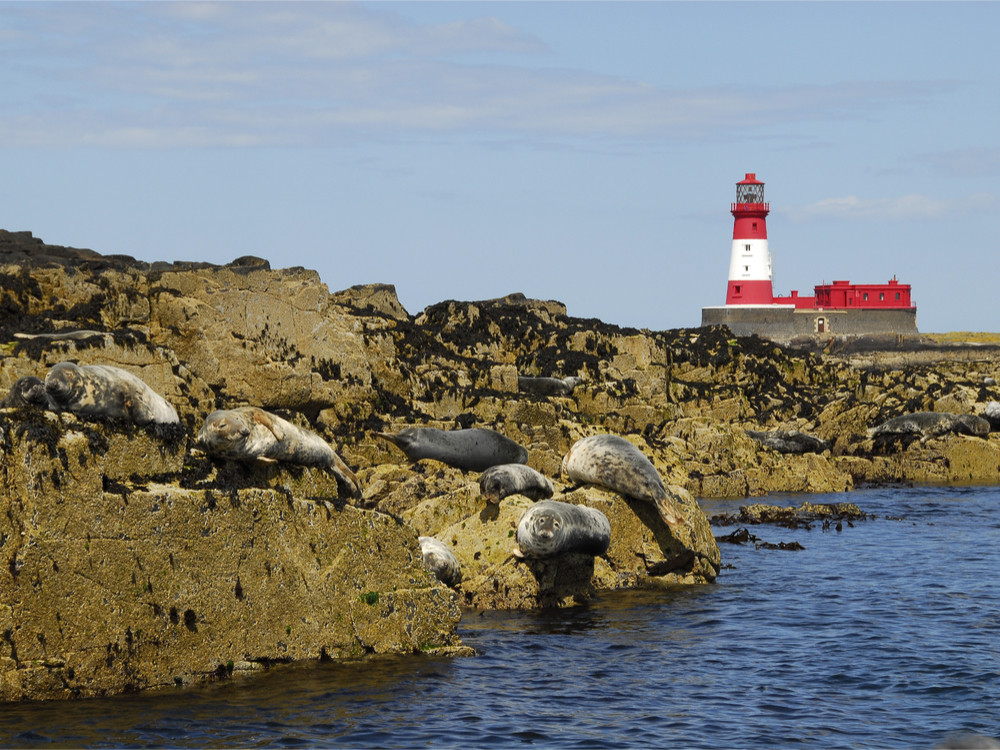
(27, 391)
(497, 482)
(930, 424)
(551, 527)
(789, 441)
(440, 561)
(252, 434)
(106, 391)
(473, 449)
(542, 386)
(613, 462)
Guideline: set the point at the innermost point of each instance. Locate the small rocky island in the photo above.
(134, 559)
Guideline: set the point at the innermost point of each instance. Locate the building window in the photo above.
(737, 288)
(881, 295)
(755, 226)
(747, 246)
(897, 295)
(865, 296)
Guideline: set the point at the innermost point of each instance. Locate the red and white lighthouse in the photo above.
(750, 261)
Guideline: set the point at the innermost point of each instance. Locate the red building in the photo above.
(844, 294)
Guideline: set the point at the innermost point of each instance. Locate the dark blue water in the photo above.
(886, 634)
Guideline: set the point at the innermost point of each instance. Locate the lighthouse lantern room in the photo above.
(750, 260)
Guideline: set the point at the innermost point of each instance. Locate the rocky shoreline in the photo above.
(134, 561)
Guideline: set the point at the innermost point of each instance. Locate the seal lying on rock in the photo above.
(613, 462)
(440, 561)
(252, 434)
(105, 391)
(497, 482)
(930, 424)
(550, 527)
(789, 441)
(27, 391)
(474, 449)
(541, 386)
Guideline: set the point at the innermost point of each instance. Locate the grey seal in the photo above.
(497, 482)
(550, 527)
(27, 391)
(474, 449)
(252, 434)
(106, 391)
(440, 561)
(60, 335)
(789, 441)
(613, 462)
(930, 424)
(543, 386)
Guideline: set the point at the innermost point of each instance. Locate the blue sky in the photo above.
(583, 152)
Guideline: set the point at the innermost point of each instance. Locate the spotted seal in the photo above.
(473, 449)
(789, 441)
(613, 462)
(497, 482)
(440, 561)
(105, 391)
(27, 391)
(551, 527)
(252, 434)
(543, 386)
(930, 424)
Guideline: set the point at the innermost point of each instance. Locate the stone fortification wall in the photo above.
(784, 323)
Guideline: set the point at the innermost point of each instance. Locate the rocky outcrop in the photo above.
(110, 535)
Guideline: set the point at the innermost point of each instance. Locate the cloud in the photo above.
(307, 74)
(903, 208)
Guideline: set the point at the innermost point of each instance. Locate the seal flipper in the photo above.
(264, 419)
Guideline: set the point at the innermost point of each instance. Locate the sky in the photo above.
(585, 152)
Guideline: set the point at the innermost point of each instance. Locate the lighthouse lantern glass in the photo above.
(753, 193)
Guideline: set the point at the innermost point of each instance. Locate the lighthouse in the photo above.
(839, 308)
(750, 260)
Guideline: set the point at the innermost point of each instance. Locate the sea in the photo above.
(883, 634)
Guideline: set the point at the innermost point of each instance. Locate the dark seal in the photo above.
(474, 449)
(497, 482)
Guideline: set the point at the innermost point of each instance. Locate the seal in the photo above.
(27, 391)
(789, 441)
(930, 424)
(440, 561)
(252, 434)
(474, 449)
(497, 482)
(105, 391)
(550, 527)
(613, 462)
(542, 386)
(61, 335)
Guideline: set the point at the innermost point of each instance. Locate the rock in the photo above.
(110, 587)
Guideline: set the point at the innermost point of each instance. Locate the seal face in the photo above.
(474, 449)
(252, 434)
(789, 441)
(105, 391)
(27, 391)
(550, 528)
(613, 462)
(440, 561)
(497, 482)
(930, 424)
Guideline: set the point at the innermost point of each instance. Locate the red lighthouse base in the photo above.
(746, 292)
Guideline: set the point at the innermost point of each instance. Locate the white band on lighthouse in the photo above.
(750, 261)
